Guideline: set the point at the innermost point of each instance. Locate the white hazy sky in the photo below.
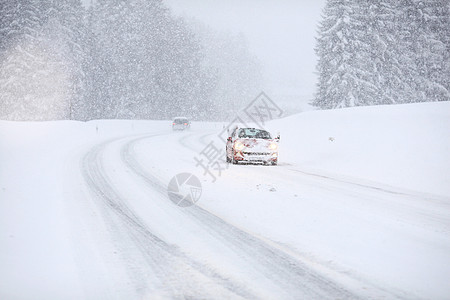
(281, 33)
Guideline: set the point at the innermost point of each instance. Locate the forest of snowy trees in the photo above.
(132, 59)
(383, 52)
(129, 59)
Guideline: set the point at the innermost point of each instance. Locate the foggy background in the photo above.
(280, 33)
(206, 60)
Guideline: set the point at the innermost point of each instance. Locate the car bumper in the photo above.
(256, 157)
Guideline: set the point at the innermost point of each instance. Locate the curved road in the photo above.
(161, 250)
(262, 270)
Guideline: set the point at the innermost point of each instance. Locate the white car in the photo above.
(251, 145)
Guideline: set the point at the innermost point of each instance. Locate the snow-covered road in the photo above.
(85, 214)
(183, 250)
(189, 245)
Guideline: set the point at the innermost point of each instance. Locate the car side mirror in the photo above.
(278, 137)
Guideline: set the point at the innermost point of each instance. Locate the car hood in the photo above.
(256, 144)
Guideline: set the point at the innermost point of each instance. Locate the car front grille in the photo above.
(256, 153)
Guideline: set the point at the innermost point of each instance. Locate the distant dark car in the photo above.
(251, 145)
(181, 123)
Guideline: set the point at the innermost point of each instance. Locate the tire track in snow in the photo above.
(430, 208)
(403, 206)
(432, 213)
(283, 270)
(147, 254)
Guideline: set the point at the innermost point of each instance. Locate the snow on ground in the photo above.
(359, 207)
(400, 145)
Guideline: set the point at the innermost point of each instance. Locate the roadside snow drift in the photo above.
(359, 207)
(400, 145)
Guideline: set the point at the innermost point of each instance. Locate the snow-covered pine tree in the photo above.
(363, 50)
(73, 19)
(407, 46)
(358, 62)
(40, 78)
(24, 78)
(8, 23)
(96, 66)
(432, 49)
(147, 64)
(337, 84)
(64, 31)
(121, 59)
(382, 52)
(388, 52)
(109, 23)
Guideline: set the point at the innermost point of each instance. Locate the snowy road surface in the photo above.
(94, 221)
(183, 250)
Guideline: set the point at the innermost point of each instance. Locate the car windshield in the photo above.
(253, 133)
(180, 121)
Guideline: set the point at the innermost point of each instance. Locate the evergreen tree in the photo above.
(40, 78)
(382, 52)
(388, 53)
(336, 81)
(65, 34)
(23, 76)
(118, 59)
(147, 64)
(432, 49)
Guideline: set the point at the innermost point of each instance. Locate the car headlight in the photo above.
(238, 146)
(273, 146)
